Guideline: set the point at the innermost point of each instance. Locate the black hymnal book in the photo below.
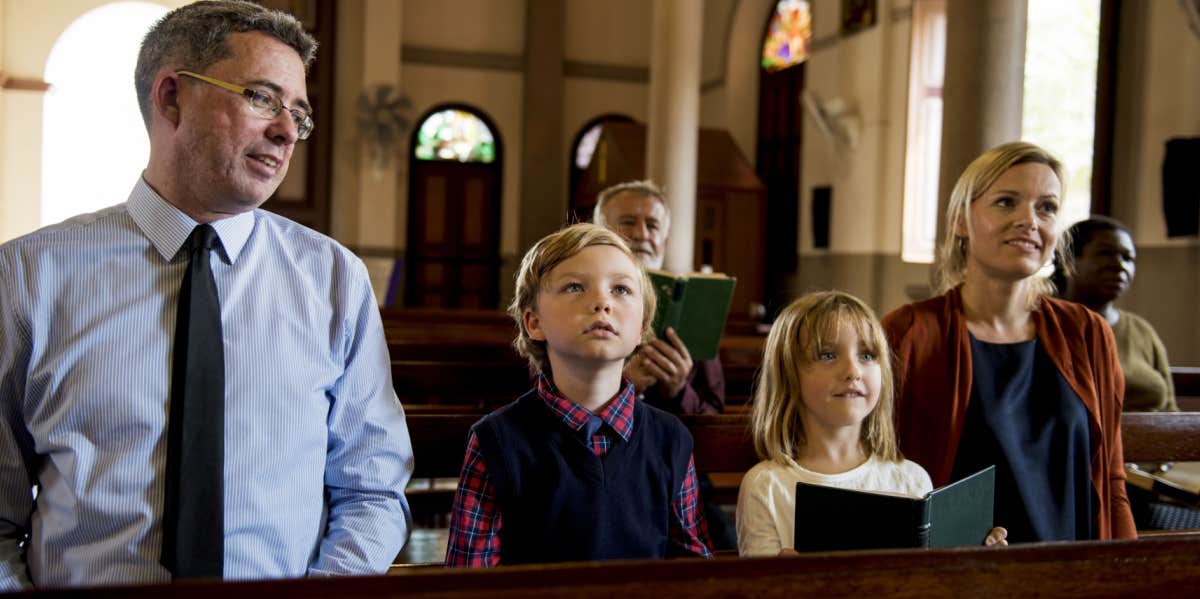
(958, 514)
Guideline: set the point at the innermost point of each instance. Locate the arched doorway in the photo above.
(453, 256)
(785, 46)
(580, 209)
(94, 142)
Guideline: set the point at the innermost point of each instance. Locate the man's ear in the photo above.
(164, 97)
(533, 325)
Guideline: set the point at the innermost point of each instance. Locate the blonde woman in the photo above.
(822, 414)
(996, 371)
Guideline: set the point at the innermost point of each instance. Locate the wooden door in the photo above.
(453, 256)
(303, 196)
(778, 165)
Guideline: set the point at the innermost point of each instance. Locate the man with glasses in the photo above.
(191, 387)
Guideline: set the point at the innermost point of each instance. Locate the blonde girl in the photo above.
(822, 414)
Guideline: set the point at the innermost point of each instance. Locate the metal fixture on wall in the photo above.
(383, 121)
(1192, 9)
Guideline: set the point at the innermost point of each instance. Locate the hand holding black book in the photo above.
(958, 514)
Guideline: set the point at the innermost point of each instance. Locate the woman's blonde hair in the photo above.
(552, 250)
(802, 328)
(951, 266)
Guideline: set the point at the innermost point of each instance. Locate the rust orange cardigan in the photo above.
(932, 350)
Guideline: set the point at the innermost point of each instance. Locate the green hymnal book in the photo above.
(696, 306)
(958, 514)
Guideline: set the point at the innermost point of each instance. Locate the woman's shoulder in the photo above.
(1069, 313)
(916, 316)
(1137, 324)
(1071, 321)
(920, 327)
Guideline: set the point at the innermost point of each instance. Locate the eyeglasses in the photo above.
(263, 104)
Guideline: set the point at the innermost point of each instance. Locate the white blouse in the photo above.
(766, 507)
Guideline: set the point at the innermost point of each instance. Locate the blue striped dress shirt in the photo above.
(317, 452)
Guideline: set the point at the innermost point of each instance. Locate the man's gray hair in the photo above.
(195, 36)
(645, 188)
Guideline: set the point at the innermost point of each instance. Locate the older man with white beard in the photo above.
(661, 370)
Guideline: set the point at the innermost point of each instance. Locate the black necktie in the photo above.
(193, 511)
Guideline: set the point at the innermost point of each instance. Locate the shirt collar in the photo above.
(617, 414)
(167, 227)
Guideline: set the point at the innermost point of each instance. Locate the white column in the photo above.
(984, 88)
(675, 119)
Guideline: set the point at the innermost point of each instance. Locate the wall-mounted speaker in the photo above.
(821, 198)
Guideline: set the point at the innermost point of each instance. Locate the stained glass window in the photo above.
(455, 135)
(788, 35)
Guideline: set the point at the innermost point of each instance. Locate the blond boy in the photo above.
(577, 469)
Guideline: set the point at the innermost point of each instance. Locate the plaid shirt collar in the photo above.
(618, 414)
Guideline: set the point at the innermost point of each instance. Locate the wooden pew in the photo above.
(722, 442)
(1163, 566)
(1158, 567)
(419, 338)
(486, 385)
(434, 334)
(724, 451)
(1187, 387)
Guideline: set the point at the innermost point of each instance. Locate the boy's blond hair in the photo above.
(552, 250)
(802, 328)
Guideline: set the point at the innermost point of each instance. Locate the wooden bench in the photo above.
(1187, 387)
(486, 385)
(418, 339)
(722, 442)
(1158, 567)
(431, 335)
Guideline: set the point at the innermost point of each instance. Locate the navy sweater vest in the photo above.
(560, 502)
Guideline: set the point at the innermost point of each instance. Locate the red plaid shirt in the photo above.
(475, 520)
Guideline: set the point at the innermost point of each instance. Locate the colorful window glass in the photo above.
(788, 35)
(455, 135)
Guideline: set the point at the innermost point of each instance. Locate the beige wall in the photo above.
(496, 26)
(480, 64)
(1158, 98)
(29, 30)
(5, 233)
(592, 28)
(868, 73)
(494, 92)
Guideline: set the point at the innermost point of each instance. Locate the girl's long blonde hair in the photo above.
(810, 322)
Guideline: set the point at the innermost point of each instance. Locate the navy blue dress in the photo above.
(1024, 418)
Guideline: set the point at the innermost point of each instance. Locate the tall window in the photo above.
(454, 134)
(94, 141)
(579, 204)
(788, 35)
(1061, 52)
(924, 138)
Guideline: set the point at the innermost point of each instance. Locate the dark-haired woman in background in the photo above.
(1105, 262)
(1104, 265)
